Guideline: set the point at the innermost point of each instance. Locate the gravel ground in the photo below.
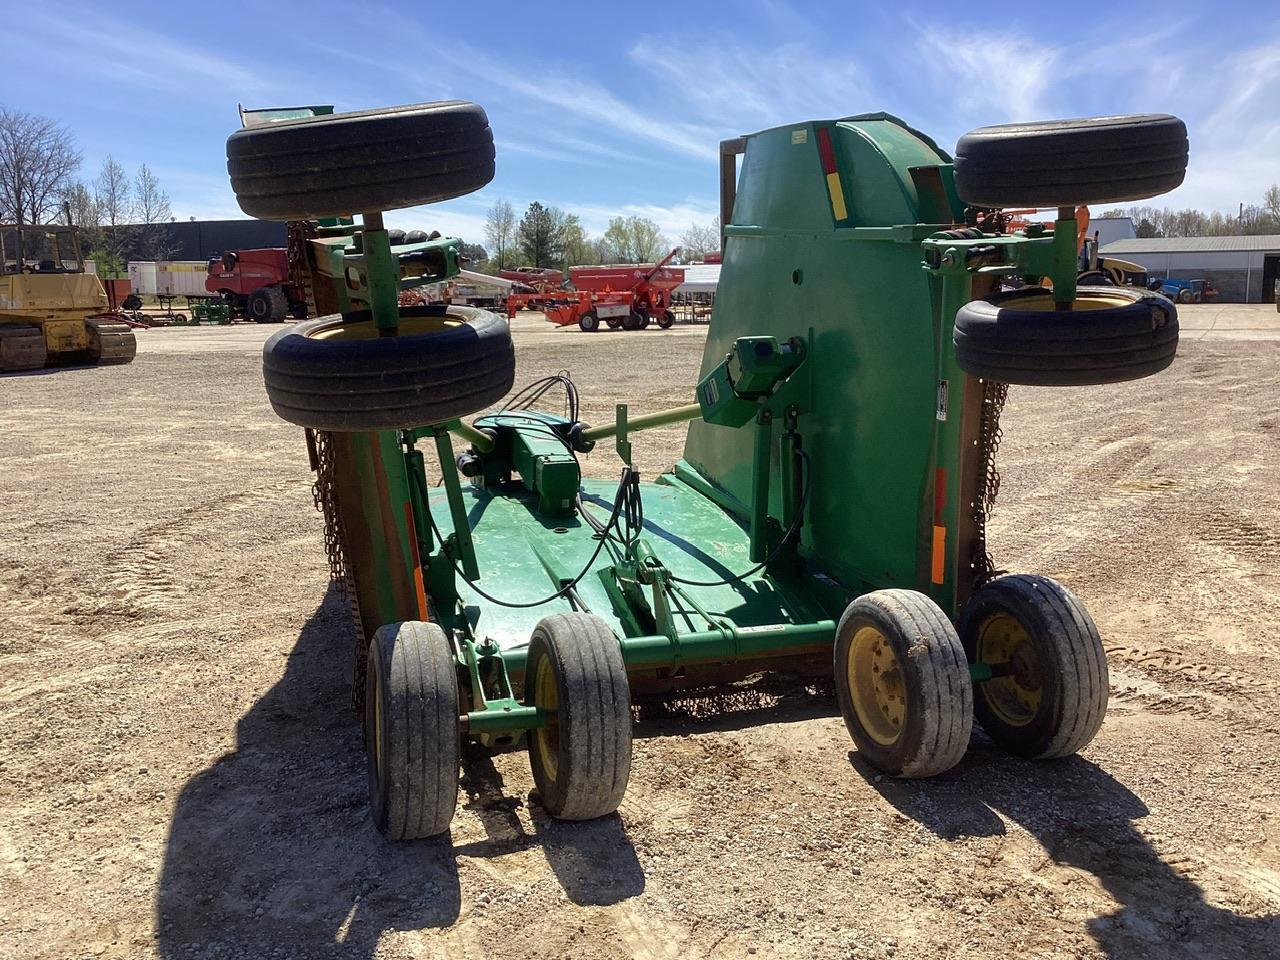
(181, 776)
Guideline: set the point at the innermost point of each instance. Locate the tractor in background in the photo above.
(1185, 291)
(51, 311)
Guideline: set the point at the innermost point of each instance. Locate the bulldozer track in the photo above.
(21, 348)
(111, 342)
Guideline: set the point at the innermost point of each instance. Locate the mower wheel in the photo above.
(589, 322)
(1110, 334)
(581, 759)
(337, 373)
(666, 319)
(268, 305)
(411, 730)
(1050, 692)
(632, 321)
(615, 323)
(366, 161)
(1060, 162)
(903, 683)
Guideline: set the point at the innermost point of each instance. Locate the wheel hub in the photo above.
(1016, 696)
(877, 686)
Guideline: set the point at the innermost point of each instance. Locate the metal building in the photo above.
(1243, 269)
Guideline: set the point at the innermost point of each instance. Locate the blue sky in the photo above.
(611, 109)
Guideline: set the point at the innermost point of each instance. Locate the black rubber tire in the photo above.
(1068, 666)
(1059, 162)
(412, 734)
(631, 322)
(938, 718)
(590, 742)
(666, 319)
(614, 323)
(1186, 296)
(996, 340)
(386, 383)
(360, 162)
(645, 319)
(268, 305)
(131, 302)
(589, 322)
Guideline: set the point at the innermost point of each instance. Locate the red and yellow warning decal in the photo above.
(835, 188)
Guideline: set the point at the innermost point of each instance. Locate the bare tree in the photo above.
(500, 232)
(635, 240)
(1271, 202)
(81, 205)
(113, 195)
(698, 241)
(37, 160)
(152, 211)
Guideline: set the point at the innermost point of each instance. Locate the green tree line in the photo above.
(1250, 220)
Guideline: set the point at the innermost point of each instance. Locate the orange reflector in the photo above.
(939, 554)
(419, 586)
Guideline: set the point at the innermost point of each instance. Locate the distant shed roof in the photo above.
(700, 278)
(1266, 241)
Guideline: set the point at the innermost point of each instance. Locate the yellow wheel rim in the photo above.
(1093, 300)
(409, 327)
(546, 740)
(1014, 698)
(876, 686)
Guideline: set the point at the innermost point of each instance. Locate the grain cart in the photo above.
(830, 504)
(627, 295)
(51, 311)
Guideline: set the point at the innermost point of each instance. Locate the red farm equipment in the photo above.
(541, 279)
(255, 284)
(627, 295)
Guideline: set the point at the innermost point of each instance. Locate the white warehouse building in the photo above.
(1243, 269)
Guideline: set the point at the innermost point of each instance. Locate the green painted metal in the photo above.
(382, 274)
(829, 400)
(646, 421)
(478, 439)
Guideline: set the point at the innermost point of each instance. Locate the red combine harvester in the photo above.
(255, 284)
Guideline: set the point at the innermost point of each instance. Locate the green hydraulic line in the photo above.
(690, 411)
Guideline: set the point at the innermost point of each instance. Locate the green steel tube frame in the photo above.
(1032, 256)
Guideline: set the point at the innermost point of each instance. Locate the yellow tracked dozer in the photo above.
(51, 311)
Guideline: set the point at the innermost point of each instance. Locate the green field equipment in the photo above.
(828, 512)
(210, 310)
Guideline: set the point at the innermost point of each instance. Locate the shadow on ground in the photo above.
(271, 852)
(1086, 819)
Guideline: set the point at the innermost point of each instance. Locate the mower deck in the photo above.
(525, 556)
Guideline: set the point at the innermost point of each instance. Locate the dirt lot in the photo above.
(181, 776)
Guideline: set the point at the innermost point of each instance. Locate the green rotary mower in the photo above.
(828, 512)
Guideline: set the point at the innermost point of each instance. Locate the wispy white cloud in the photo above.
(732, 88)
(114, 49)
(1005, 76)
